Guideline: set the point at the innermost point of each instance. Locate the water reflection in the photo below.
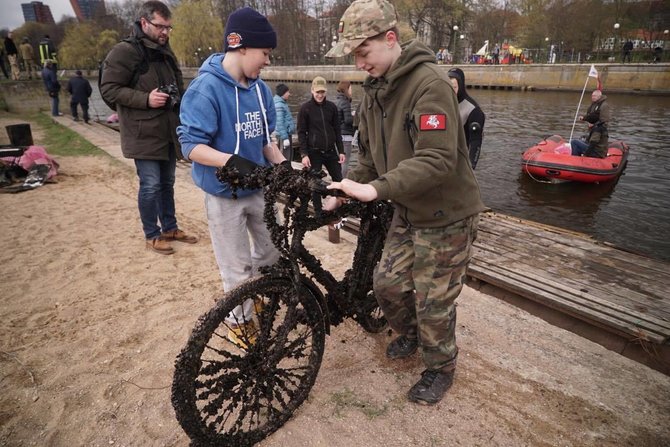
(632, 213)
(581, 201)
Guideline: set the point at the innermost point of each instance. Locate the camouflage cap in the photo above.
(362, 20)
(319, 84)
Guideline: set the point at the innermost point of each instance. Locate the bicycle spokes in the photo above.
(229, 394)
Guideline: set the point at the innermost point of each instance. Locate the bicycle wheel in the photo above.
(371, 318)
(236, 390)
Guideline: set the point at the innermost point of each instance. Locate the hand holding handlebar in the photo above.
(358, 191)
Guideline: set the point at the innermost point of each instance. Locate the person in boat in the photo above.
(472, 115)
(599, 110)
(598, 116)
(596, 142)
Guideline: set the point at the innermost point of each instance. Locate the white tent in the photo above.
(483, 51)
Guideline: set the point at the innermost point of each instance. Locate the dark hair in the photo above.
(343, 87)
(281, 89)
(155, 7)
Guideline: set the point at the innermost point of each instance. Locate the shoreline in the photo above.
(92, 323)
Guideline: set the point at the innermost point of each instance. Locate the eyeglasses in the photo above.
(167, 28)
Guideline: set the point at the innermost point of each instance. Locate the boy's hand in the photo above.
(243, 166)
(359, 191)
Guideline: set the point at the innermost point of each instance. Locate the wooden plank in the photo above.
(589, 300)
(557, 264)
(497, 223)
(578, 279)
(611, 322)
(594, 267)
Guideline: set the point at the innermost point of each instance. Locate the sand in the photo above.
(91, 322)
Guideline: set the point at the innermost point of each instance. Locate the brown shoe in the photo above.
(180, 236)
(160, 245)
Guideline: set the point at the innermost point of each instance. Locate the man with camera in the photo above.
(142, 78)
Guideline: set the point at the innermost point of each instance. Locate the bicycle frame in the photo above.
(344, 298)
(235, 392)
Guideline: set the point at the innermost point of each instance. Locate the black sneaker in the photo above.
(401, 347)
(432, 386)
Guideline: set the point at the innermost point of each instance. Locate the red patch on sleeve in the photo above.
(433, 122)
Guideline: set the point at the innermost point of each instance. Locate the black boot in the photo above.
(402, 347)
(432, 386)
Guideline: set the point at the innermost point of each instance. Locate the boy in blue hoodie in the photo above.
(227, 117)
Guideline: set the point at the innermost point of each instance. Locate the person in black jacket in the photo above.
(472, 115)
(13, 56)
(320, 136)
(80, 89)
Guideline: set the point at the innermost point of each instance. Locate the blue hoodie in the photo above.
(219, 112)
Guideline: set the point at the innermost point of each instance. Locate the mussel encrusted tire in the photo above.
(236, 394)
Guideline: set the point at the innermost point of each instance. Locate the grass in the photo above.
(347, 399)
(59, 140)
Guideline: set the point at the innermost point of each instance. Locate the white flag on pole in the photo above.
(593, 72)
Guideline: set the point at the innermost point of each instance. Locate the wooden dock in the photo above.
(613, 297)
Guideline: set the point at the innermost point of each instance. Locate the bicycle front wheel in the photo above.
(235, 384)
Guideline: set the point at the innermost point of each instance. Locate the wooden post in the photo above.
(333, 234)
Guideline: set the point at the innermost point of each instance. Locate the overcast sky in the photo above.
(12, 14)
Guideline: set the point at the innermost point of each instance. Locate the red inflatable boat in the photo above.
(551, 159)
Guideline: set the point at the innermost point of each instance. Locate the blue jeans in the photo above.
(156, 195)
(54, 105)
(578, 147)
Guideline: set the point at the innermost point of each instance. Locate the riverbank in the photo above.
(643, 79)
(652, 79)
(92, 322)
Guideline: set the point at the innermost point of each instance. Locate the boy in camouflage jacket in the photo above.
(413, 153)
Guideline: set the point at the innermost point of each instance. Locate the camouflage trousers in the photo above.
(417, 281)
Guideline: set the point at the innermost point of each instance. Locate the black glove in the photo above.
(243, 166)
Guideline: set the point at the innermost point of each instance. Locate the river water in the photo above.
(632, 213)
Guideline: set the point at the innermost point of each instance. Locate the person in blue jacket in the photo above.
(227, 118)
(285, 124)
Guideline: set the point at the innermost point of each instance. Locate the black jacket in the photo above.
(472, 117)
(10, 47)
(319, 127)
(80, 89)
(343, 103)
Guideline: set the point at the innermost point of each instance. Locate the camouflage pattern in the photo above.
(361, 20)
(419, 277)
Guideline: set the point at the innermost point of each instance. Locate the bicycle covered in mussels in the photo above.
(236, 394)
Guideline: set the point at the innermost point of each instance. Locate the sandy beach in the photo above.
(91, 322)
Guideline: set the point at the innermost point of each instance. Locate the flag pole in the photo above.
(593, 73)
(577, 111)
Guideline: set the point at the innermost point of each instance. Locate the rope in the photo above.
(529, 160)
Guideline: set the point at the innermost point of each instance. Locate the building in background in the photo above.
(37, 12)
(88, 9)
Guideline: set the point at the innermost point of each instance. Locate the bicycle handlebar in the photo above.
(281, 178)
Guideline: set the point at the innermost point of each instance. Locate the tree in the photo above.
(78, 49)
(197, 33)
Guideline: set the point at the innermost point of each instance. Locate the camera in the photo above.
(175, 97)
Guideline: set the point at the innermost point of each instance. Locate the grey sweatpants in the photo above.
(241, 243)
